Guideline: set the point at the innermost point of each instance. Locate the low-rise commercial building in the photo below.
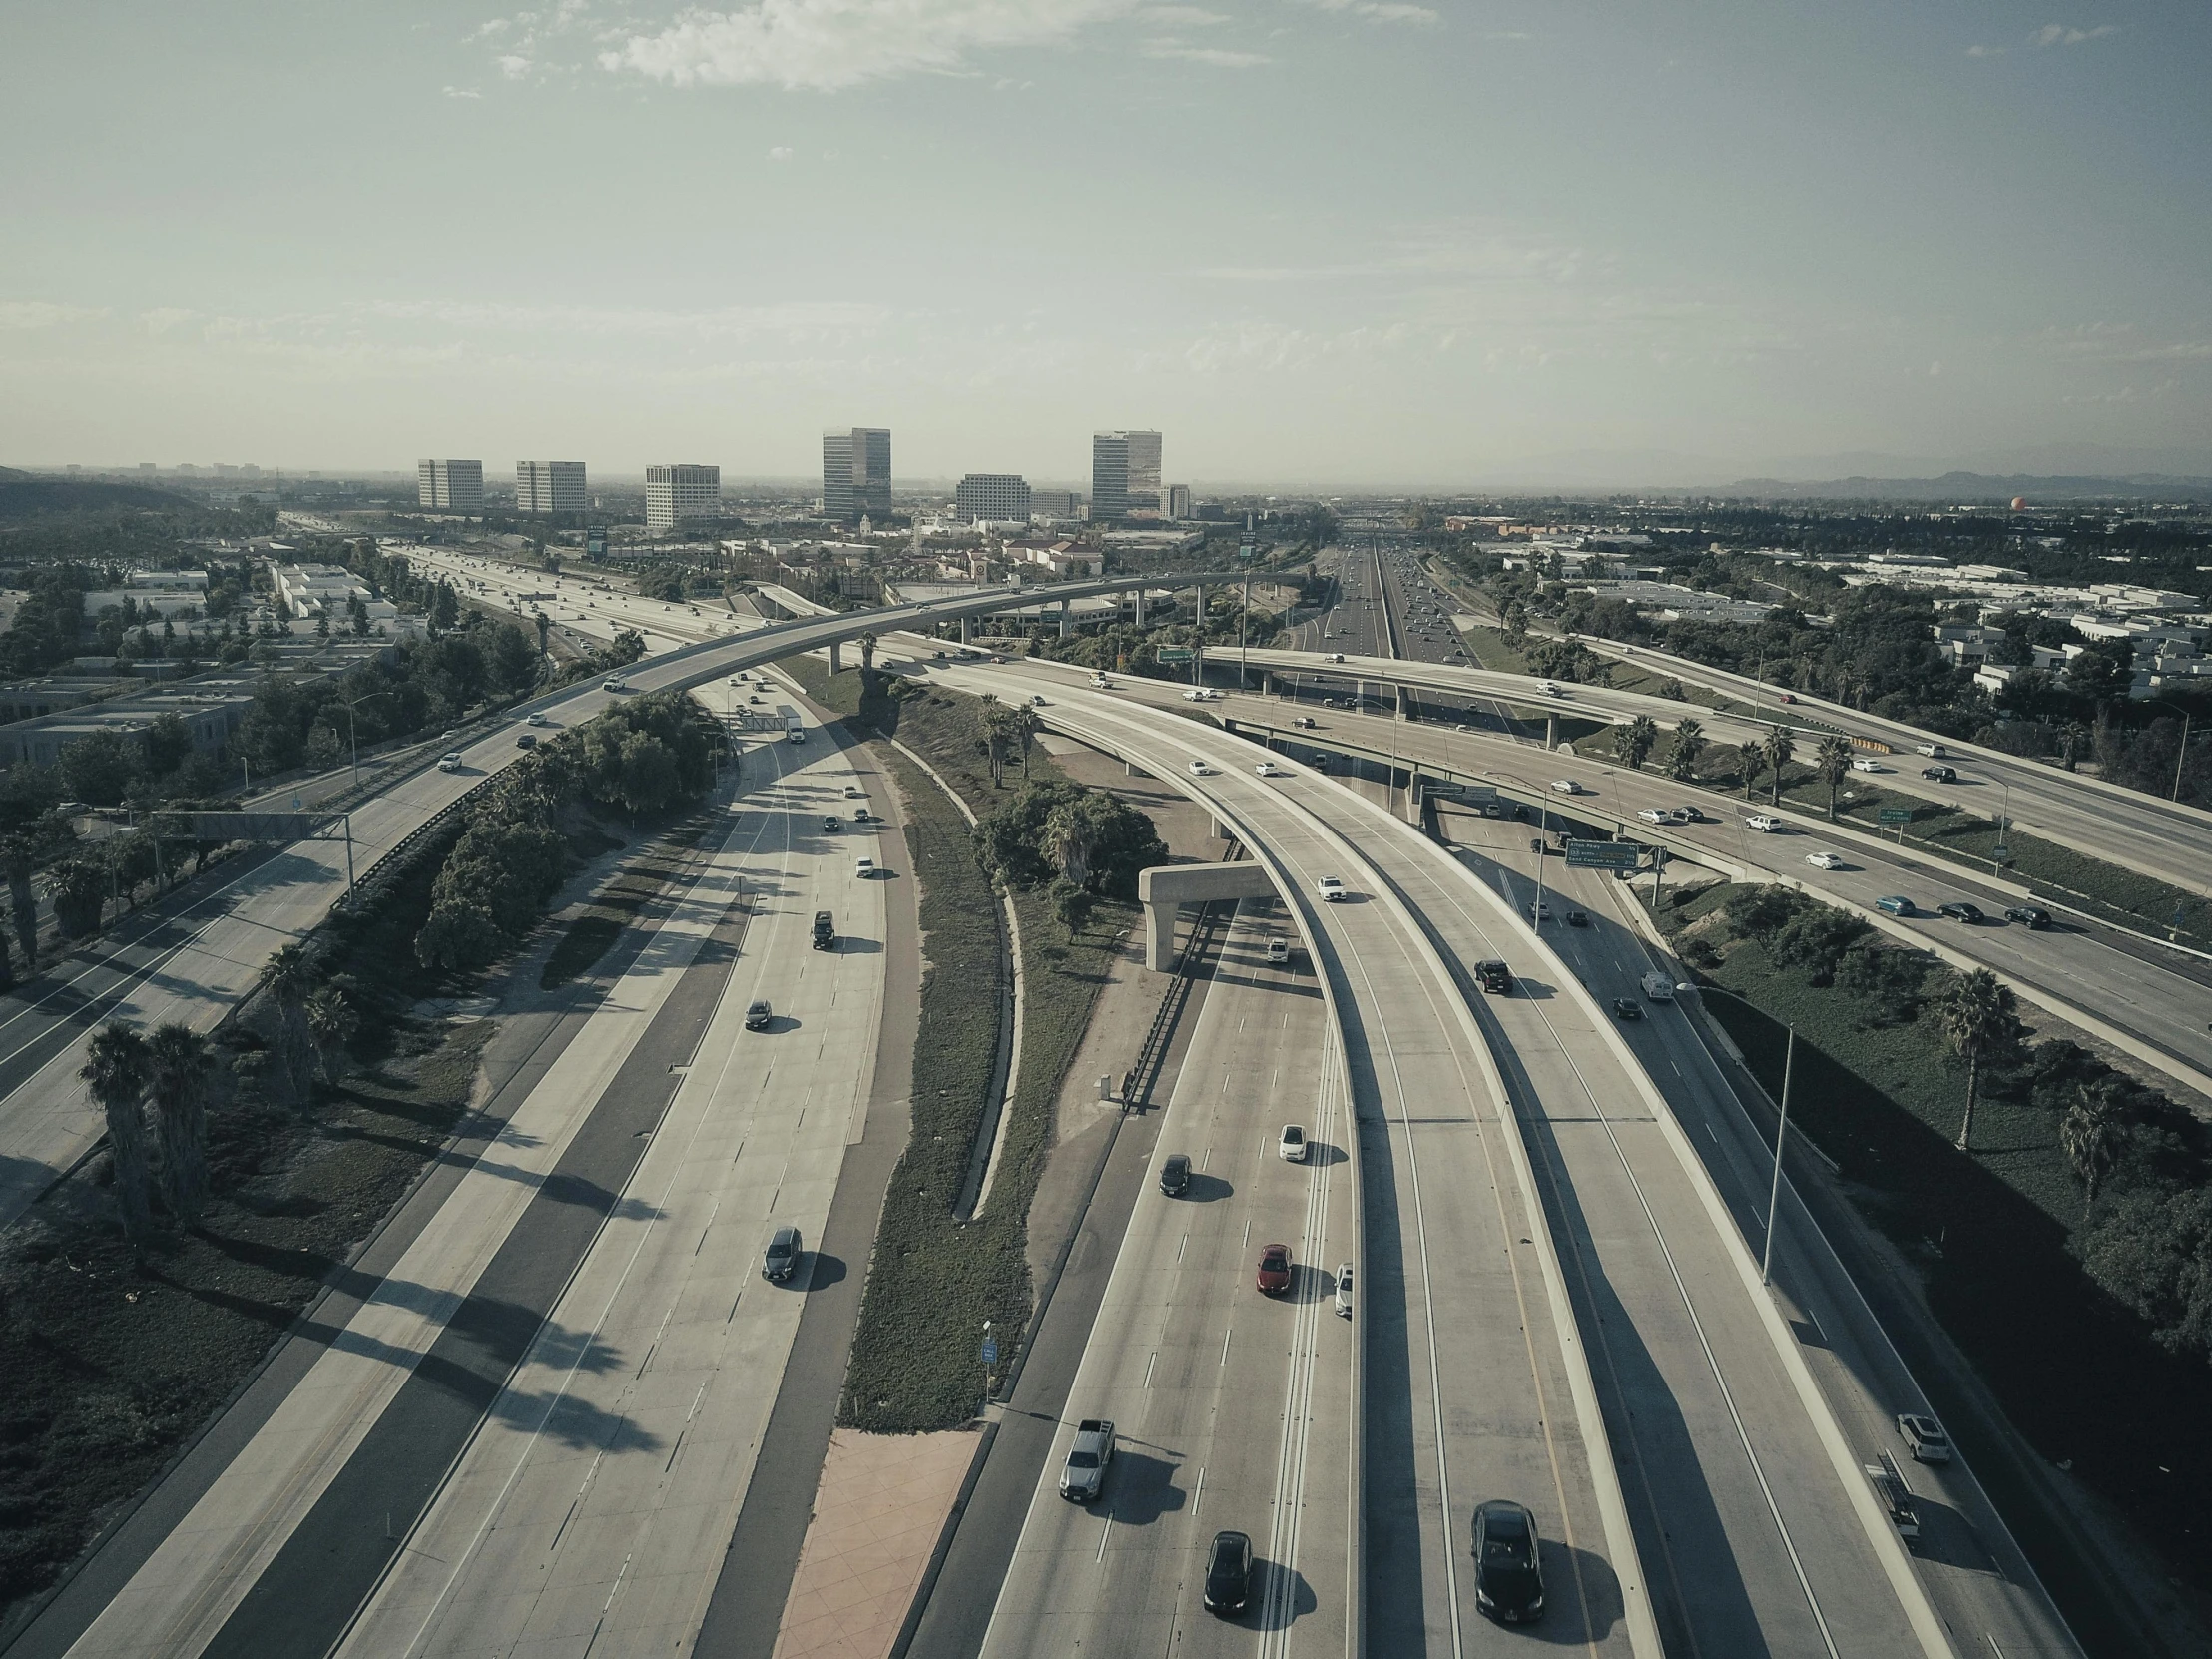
(680, 492)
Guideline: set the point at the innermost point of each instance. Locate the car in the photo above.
(1335, 656)
(1549, 688)
(1627, 1007)
(781, 1260)
(759, 1017)
(1175, 1174)
(754, 697)
(1509, 1563)
(1495, 977)
(861, 814)
(853, 792)
(535, 720)
(1083, 1477)
(1925, 1437)
(1274, 1275)
(1654, 814)
(1099, 682)
(1199, 769)
(1896, 905)
(832, 824)
(1787, 697)
(1930, 748)
(1578, 918)
(526, 740)
(1201, 694)
(614, 683)
(1940, 774)
(1539, 912)
(1896, 1497)
(1331, 889)
(1565, 786)
(1959, 911)
(1037, 701)
(825, 931)
(1267, 769)
(937, 655)
(864, 869)
(1228, 1574)
(1290, 1145)
(1866, 764)
(1305, 723)
(450, 761)
(1658, 987)
(1344, 1290)
(2029, 915)
(1765, 822)
(1278, 952)
(1824, 861)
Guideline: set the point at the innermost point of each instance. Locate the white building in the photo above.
(550, 487)
(1062, 558)
(1175, 502)
(678, 492)
(992, 498)
(451, 486)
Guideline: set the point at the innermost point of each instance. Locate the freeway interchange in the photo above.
(1551, 1224)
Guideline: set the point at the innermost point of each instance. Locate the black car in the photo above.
(831, 824)
(826, 930)
(1577, 918)
(1508, 1567)
(2029, 915)
(759, 1017)
(1627, 1007)
(1959, 911)
(1228, 1573)
(1940, 774)
(1175, 1174)
(781, 1260)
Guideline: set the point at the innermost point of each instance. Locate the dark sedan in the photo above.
(1274, 1278)
(1959, 911)
(1228, 1574)
(1508, 1566)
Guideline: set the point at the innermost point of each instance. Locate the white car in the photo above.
(865, 868)
(451, 762)
(1330, 889)
(614, 684)
(1766, 823)
(1099, 682)
(1550, 688)
(1654, 814)
(1267, 769)
(1866, 764)
(1335, 656)
(1199, 769)
(535, 720)
(1565, 786)
(1291, 1147)
(1279, 951)
(1824, 861)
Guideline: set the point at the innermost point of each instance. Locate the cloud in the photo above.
(162, 318)
(463, 92)
(798, 319)
(781, 152)
(24, 314)
(1185, 17)
(1167, 46)
(2060, 34)
(1380, 11)
(829, 45)
(513, 65)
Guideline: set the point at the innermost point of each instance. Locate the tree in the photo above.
(1634, 742)
(1073, 905)
(21, 858)
(1890, 979)
(332, 1023)
(1816, 941)
(1751, 759)
(1980, 1017)
(326, 749)
(545, 628)
(166, 742)
(288, 979)
(2154, 1252)
(649, 773)
(357, 614)
(78, 890)
(997, 732)
(1832, 764)
(1022, 725)
(118, 1069)
(180, 1064)
(513, 664)
(867, 653)
(445, 607)
(2091, 1135)
(100, 767)
(1682, 752)
(1777, 750)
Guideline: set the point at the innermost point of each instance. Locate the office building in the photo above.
(550, 487)
(992, 498)
(451, 486)
(1052, 503)
(857, 472)
(1175, 502)
(1125, 473)
(676, 493)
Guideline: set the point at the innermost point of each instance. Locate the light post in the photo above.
(1782, 1129)
(1543, 829)
(2004, 816)
(354, 728)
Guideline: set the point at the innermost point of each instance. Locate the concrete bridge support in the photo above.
(836, 662)
(1064, 620)
(1164, 888)
(967, 629)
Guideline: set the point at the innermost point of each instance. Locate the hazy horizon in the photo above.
(1326, 245)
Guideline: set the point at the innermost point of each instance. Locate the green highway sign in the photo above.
(1172, 654)
(2000, 851)
(1897, 814)
(1589, 854)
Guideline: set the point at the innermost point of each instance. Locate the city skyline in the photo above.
(1752, 242)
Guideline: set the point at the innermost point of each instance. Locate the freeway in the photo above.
(215, 951)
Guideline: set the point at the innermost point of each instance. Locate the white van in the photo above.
(1658, 988)
(1766, 823)
(1929, 749)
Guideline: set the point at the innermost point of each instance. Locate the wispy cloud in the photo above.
(1169, 46)
(1380, 11)
(798, 319)
(1180, 17)
(781, 152)
(2050, 34)
(463, 92)
(26, 314)
(829, 44)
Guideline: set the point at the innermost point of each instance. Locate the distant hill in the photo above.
(24, 495)
(1976, 487)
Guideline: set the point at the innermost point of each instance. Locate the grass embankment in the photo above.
(111, 1366)
(934, 1279)
(1990, 1231)
(590, 935)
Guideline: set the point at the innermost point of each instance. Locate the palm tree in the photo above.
(181, 1062)
(2091, 1135)
(1981, 1018)
(996, 732)
(1751, 756)
(1832, 764)
(1682, 753)
(332, 1023)
(289, 979)
(867, 653)
(21, 859)
(1778, 749)
(117, 1068)
(1633, 742)
(1069, 840)
(1024, 723)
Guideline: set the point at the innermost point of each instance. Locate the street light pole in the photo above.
(1782, 1129)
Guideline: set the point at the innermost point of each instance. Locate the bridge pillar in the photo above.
(837, 665)
(967, 629)
(1063, 619)
(1165, 888)
(1140, 607)
(1551, 732)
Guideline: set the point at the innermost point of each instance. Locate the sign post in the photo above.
(1898, 815)
(990, 1359)
(1595, 855)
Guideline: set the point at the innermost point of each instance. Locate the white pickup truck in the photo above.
(1085, 1475)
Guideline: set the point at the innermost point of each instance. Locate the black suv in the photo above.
(781, 1260)
(1228, 1573)
(2029, 915)
(825, 931)
(1175, 1174)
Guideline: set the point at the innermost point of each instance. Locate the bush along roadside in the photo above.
(2066, 1247)
(935, 1278)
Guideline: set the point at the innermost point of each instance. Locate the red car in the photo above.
(1275, 1269)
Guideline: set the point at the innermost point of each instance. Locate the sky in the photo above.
(1318, 243)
